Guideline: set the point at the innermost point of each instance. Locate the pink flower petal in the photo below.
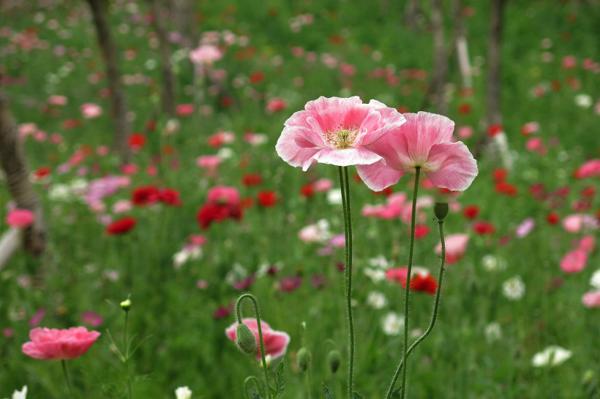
(378, 176)
(454, 166)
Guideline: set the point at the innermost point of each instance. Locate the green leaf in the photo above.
(327, 394)
(396, 394)
(356, 395)
(279, 379)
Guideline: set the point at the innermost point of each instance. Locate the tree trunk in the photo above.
(167, 94)
(462, 48)
(117, 96)
(413, 15)
(12, 161)
(499, 144)
(9, 244)
(440, 58)
(183, 14)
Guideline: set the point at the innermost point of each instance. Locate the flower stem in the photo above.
(126, 348)
(435, 306)
(238, 310)
(407, 290)
(345, 189)
(67, 378)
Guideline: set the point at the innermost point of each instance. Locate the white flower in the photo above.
(334, 196)
(493, 332)
(376, 275)
(180, 258)
(59, 192)
(376, 300)
(514, 288)
(595, 281)
(22, 394)
(318, 232)
(392, 323)
(551, 356)
(183, 393)
(225, 153)
(583, 100)
(492, 263)
(379, 261)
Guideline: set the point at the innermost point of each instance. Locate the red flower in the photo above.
(307, 190)
(494, 130)
(552, 218)
(471, 212)
(146, 195)
(464, 108)
(42, 172)
(421, 231)
(170, 197)
(483, 228)
(217, 212)
(137, 141)
(256, 77)
(267, 198)
(121, 226)
(423, 283)
(500, 175)
(251, 180)
(506, 189)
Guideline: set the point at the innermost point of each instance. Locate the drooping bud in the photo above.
(334, 359)
(303, 359)
(126, 304)
(440, 210)
(245, 340)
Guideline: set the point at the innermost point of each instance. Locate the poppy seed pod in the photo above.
(440, 210)
(334, 359)
(303, 359)
(245, 340)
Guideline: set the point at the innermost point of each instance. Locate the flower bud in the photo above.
(126, 304)
(245, 340)
(334, 359)
(440, 210)
(303, 359)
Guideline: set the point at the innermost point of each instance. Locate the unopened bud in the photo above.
(245, 340)
(334, 359)
(126, 304)
(303, 359)
(440, 210)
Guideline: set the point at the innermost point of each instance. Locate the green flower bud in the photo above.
(126, 304)
(303, 359)
(245, 340)
(440, 210)
(334, 359)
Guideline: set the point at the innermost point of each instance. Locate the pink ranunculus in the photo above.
(335, 131)
(590, 168)
(224, 194)
(205, 54)
(424, 141)
(55, 344)
(574, 261)
(591, 299)
(456, 246)
(20, 218)
(276, 342)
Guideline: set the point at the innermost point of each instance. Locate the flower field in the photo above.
(314, 161)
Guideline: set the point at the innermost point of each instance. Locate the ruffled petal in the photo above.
(451, 166)
(378, 176)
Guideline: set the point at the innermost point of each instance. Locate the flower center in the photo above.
(341, 139)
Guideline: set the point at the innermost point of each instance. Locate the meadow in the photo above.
(523, 258)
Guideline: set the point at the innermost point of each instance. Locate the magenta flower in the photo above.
(424, 141)
(20, 218)
(276, 342)
(55, 344)
(336, 131)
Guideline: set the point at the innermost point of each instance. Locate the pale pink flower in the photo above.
(205, 54)
(591, 299)
(456, 246)
(525, 227)
(464, 132)
(574, 261)
(590, 168)
(90, 110)
(122, 206)
(276, 342)
(209, 162)
(276, 104)
(20, 218)
(335, 131)
(54, 344)
(578, 222)
(57, 100)
(424, 141)
(322, 185)
(587, 243)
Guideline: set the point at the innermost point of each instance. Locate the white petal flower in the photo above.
(514, 288)
(183, 393)
(22, 394)
(392, 323)
(551, 356)
(376, 300)
(595, 281)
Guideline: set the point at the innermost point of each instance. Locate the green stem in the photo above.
(238, 311)
(407, 289)
(126, 346)
(345, 189)
(435, 306)
(67, 378)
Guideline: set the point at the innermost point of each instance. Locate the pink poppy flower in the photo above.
(591, 299)
(335, 131)
(323, 185)
(54, 344)
(578, 222)
(587, 243)
(90, 110)
(456, 246)
(525, 227)
(224, 194)
(397, 275)
(205, 54)
(276, 342)
(20, 218)
(574, 261)
(590, 168)
(424, 141)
